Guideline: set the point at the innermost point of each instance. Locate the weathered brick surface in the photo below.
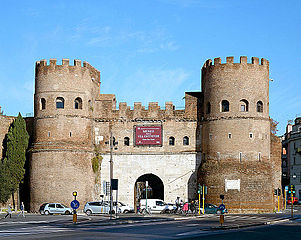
(5, 122)
(56, 174)
(276, 149)
(256, 191)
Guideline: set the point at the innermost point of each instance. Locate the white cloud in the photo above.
(171, 46)
(141, 41)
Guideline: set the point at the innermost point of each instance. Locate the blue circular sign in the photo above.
(75, 204)
(222, 207)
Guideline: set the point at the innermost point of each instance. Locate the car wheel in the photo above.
(88, 212)
(47, 212)
(218, 212)
(67, 212)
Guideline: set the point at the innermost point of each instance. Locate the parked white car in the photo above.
(122, 208)
(155, 205)
(54, 208)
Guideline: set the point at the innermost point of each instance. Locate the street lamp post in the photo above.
(111, 173)
(112, 144)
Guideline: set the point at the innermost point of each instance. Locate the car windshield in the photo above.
(160, 203)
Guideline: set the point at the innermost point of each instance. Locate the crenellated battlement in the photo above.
(153, 111)
(152, 106)
(105, 109)
(230, 61)
(45, 66)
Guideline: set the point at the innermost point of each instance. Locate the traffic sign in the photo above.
(222, 207)
(75, 204)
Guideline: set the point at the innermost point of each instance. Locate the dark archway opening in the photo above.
(155, 188)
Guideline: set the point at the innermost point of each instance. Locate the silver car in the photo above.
(55, 208)
(97, 207)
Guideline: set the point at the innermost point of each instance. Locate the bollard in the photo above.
(221, 219)
(74, 217)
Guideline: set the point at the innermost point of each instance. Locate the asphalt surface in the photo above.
(131, 226)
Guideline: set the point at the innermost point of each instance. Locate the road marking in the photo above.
(2, 223)
(192, 233)
(33, 230)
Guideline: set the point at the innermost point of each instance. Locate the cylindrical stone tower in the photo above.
(63, 139)
(236, 134)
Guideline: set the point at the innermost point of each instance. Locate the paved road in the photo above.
(155, 227)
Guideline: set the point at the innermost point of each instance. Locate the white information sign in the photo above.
(232, 184)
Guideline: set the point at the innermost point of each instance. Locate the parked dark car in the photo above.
(213, 209)
(42, 207)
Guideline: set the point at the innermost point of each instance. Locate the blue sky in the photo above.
(150, 50)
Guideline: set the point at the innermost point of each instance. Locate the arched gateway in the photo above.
(155, 188)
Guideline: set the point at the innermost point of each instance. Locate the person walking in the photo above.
(177, 204)
(22, 210)
(9, 211)
(192, 207)
(186, 208)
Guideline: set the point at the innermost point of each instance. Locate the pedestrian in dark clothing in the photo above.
(9, 211)
(22, 210)
(192, 206)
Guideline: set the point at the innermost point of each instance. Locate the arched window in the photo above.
(43, 104)
(185, 140)
(208, 108)
(244, 105)
(225, 106)
(259, 106)
(78, 103)
(126, 141)
(171, 141)
(60, 102)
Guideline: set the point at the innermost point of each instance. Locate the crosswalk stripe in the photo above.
(37, 230)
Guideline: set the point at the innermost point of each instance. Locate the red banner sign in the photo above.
(148, 135)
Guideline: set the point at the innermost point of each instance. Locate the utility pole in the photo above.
(203, 199)
(146, 186)
(284, 199)
(292, 191)
(111, 172)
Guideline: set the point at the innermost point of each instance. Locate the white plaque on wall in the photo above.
(232, 184)
(98, 139)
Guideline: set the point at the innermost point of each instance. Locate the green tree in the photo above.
(12, 167)
(5, 187)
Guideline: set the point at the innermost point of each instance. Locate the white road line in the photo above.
(191, 233)
(5, 223)
(36, 230)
